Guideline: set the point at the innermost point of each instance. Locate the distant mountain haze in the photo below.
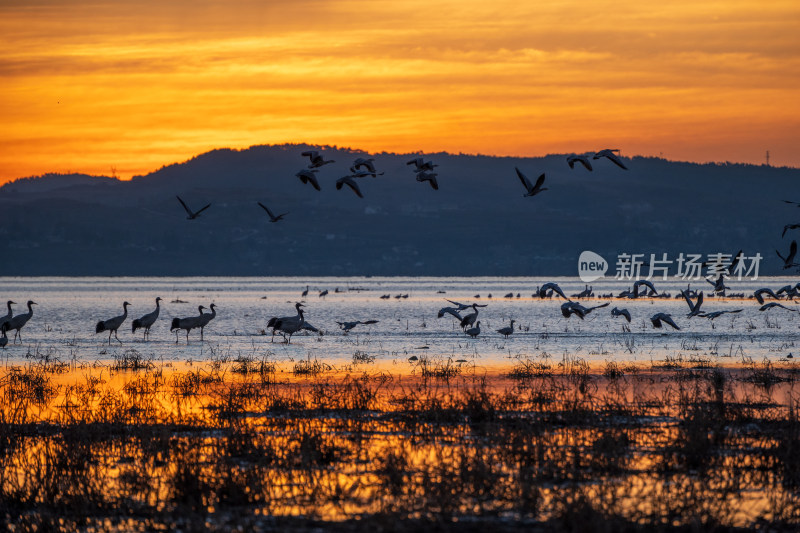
(477, 223)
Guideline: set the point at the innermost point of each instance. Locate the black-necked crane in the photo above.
(4, 338)
(147, 320)
(767, 307)
(550, 286)
(18, 322)
(474, 332)
(288, 324)
(429, 177)
(759, 294)
(7, 317)
(366, 163)
(621, 312)
(112, 324)
(347, 326)
(205, 318)
(188, 324)
(694, 307)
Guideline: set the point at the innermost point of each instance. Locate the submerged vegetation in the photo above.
(543, 446)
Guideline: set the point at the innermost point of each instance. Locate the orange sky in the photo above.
(134, 85)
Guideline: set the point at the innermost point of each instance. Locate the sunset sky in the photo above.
(134, 85)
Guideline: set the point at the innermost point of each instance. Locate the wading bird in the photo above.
(188, 323)
(205, 318)
(19, 321)
(474, 332)
(4, 338)
(304, 293)
(508, 330)
(288, 324)
(532, 190)
(658, 318)
(7, 317)
(272, 217)
(469, 319)
(147, 320)
(307, 176)
(112, 324)
(611, 156)
(191, 215)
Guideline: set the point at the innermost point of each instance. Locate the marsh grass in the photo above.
(540, 447)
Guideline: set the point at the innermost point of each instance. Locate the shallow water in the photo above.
(68, 309)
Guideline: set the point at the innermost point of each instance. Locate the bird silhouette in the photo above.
(582, 159)
(272, 217)
(532, 190)
(191, 215)
(788, 261)
(308, 176)
(112, 324)
(347, 180)
(611, 156)
(147, 320)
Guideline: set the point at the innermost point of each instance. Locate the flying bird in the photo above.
(347, 180)
(767, 307)
(621, 312)
(533, 190)
(574, 308)
(307, 176)
(421, 164)
(658, 318)
(316, 159)
(760, 292)
(191, 215)
(582, 159)
(611, 156)
(366, 163)
(430, 177)
(550, 286)
(788, 261)
(788, 227)
(272, 217)
(717, 314)
(347, 326)
(694, 307)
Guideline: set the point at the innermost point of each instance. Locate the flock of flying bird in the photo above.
(423, 170)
